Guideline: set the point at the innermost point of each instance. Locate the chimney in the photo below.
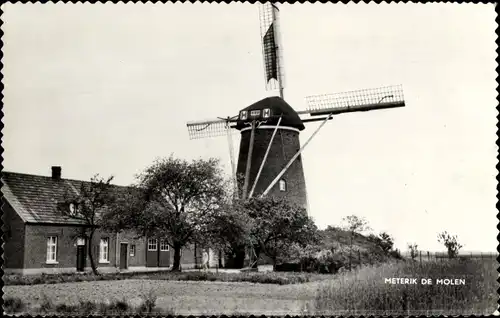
(56, 172)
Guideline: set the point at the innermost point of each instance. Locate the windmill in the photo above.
(270, 151)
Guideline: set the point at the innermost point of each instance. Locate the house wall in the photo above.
(140, 249)
(26, 251)
(13, 236)
(35, 253)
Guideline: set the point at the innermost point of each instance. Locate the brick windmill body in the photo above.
(282, 148)
(270, 160)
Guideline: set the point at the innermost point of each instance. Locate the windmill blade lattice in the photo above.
(360, 100)
(209, 128)
(272, 50)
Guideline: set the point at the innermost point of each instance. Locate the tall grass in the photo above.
(366, 292)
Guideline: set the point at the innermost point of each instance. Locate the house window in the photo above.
(282, 185)
(52, 249)
(104, 250)
(152, 244)
(163, 246)
(132, 250)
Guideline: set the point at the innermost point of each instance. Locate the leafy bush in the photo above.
(46, 305)
(148, 302)
(451, 243)
(13, 305)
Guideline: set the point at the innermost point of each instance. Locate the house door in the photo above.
(80, 255)
(163, 254)
(123, 256)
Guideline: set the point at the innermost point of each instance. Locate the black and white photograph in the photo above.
(247, 159)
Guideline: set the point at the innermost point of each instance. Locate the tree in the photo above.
(354, 225)
(386, 242)
(173, 201)
(413, 250)
(278, 224)
(450, 242)
(228, 229)
(90, 205)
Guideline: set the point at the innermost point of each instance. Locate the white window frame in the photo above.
(282, 185)
(164, 246)
(52, 250)
(152, 242)
(132, 250)
(104, 250)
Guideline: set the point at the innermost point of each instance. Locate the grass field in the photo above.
(360, 292)
(182, 298)
(366, 291)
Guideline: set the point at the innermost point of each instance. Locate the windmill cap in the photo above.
(278, 108)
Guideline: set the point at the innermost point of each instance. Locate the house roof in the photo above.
(279, 107)
(36, 198)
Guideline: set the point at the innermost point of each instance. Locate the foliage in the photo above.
(354, 225)
(90, 205)
(254, 277)
(174, 200)
(386, 242)
(148, 302)
(276, 224)
(228, 229)
(365, 292)
(451, 243)
(13, 305)
(413, 250)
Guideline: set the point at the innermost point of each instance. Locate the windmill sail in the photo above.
(270, 56)
(272, 50)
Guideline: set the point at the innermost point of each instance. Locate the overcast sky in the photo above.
(108, 88)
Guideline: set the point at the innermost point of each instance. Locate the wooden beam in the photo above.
(264, 159)
(249, 161)
(293, 158)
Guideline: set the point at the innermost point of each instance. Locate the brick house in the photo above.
(39, 238)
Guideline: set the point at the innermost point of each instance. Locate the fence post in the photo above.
(359, 257)
(420, 252)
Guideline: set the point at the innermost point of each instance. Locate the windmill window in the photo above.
(243, 115)
(255, 113)
(282, 185)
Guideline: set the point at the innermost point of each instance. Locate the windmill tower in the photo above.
(270, 161)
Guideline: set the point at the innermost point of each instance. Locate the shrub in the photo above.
(148, 302)
(451, 243)
(86, 307)
(13, 305)
(413, 250)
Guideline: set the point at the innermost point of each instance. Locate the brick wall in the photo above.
(139, 259)
(13, 236)
(285, 144)
(36, 246)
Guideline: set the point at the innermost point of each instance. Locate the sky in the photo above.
(107, 89)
